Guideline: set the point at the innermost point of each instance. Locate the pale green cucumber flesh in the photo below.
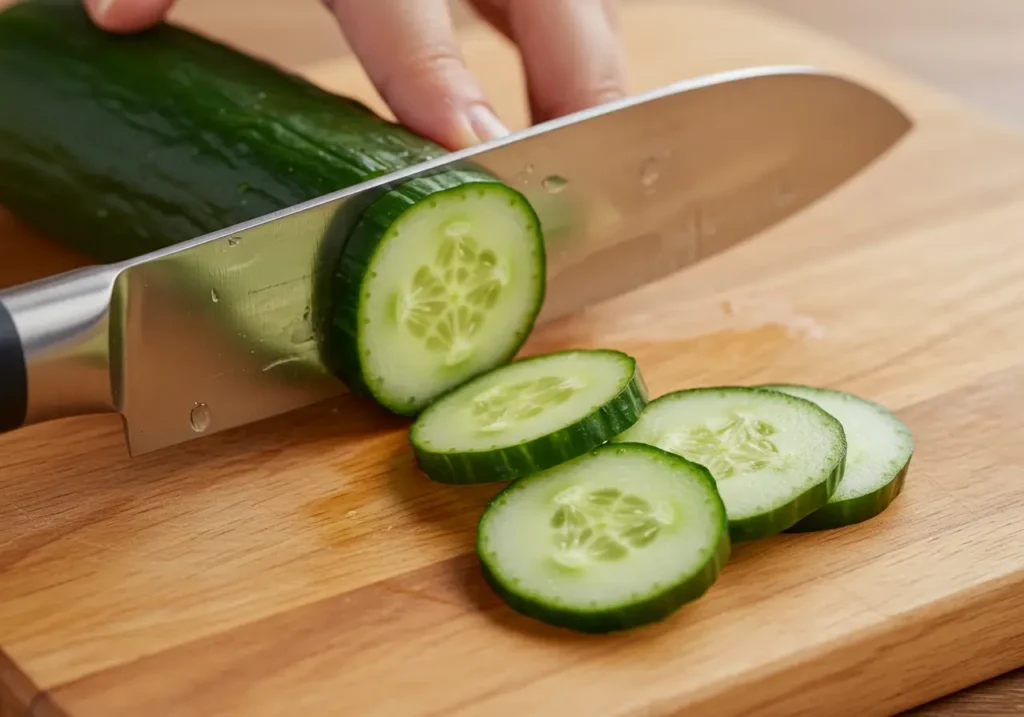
(880, 447)
(528, 415)
(616, 538)
(441, 281)
(776, 458)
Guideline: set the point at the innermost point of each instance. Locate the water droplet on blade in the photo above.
(649, 172)
(199, 417)
(214, 295)
(553, 184)
(524, 174)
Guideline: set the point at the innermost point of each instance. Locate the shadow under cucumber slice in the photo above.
(775, 458)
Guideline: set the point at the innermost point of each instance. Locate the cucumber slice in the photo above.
(613, 539)
(776, 458)
(441, 281)
(528, 415)
(877, 458)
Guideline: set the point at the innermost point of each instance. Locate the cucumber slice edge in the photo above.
(638, 610)
(377, 227)
(841, 510)
(798, 507)
(569, 440)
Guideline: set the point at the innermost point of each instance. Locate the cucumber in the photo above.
(776, 458)
(175, 136)
(616, 538)
(143, 141)
(529, 415)
(877, 458)
(429, 294)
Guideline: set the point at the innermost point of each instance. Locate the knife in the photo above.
(221, 330)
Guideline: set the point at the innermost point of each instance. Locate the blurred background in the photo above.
(971, 48)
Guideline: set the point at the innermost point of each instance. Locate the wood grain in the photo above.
(997, 697)
(302, 565)
(440, 623)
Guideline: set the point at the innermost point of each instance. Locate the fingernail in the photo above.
(101, 7)
(485, 124)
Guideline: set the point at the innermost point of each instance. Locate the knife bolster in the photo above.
(13, 379)
(58, 332)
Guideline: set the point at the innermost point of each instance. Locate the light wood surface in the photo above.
(302, 565)
(972, 48)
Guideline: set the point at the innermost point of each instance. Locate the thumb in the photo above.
(409, 52)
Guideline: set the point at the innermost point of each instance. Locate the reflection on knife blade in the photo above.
(626, 193)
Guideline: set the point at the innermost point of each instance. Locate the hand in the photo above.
(570, 51)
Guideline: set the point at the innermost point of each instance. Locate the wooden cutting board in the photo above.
(303, 566)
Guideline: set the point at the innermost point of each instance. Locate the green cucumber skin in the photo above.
(777, 521)
(341, 342)
(853, 511)
(758, 527)
(783, 519)
(116, 145)
(504, 464)
(654, 609)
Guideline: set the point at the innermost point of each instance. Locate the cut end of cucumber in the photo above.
(452, 290)
(775, 457)
(618, 537)
(879, 450)
(528, 415)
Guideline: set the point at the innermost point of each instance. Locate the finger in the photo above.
(410, 54)
(572, 53)
(495, 13)
(127, 15)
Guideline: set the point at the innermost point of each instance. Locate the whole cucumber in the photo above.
(117, 145)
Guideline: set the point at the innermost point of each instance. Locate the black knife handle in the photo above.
(13, 374)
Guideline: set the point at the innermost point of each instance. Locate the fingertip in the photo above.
(425, 81)
(484, 123)
(126, 16)
(453, 127)
(565, 77)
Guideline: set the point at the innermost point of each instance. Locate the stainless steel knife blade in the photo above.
(221, 330)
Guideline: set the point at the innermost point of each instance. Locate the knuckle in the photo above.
(434, 67)
(582, 96)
